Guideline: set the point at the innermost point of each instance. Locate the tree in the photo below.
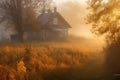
(105, 19)
(21, 14)
(12, 13)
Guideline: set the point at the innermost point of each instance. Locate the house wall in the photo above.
(5, 33)
(31, 35)
(62, 33)
(55, 33)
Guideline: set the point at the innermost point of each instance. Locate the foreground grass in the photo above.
(49, 61)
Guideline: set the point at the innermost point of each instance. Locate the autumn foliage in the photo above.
(46, 61)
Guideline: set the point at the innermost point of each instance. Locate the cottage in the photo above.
(54, 26)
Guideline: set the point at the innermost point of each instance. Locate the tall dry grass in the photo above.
(49, 61)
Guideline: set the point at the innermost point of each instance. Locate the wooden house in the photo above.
(53, 25)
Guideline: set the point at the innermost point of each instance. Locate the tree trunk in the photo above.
(20, 32)
(21, 39)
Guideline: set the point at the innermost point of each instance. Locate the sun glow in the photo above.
(74, 11)
(105, 1)
(63, 1)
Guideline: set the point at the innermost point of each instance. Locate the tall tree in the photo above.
(12, 13)
(20, 13)
(104, 16)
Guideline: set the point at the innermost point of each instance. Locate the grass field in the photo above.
(50, 61)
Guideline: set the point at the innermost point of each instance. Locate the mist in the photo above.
(75, 13)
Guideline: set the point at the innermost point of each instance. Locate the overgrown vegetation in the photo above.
(49, 61)
(21, 15)
(105, 19)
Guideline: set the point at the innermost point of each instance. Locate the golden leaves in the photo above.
(21, 67)
(105, 18)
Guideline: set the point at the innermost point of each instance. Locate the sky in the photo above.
(75, 12)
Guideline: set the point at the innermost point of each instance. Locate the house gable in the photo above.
(52, 26)
(58, 21)
(51, 19)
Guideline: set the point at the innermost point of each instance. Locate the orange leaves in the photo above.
(21, 67)
(105, 18)
(7, 73)
(21, 70)
(32, 61)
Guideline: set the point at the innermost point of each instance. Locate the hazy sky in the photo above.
(75, 12)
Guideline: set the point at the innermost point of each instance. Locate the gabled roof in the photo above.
(47, 18)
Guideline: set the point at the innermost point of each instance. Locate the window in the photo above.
(55, 21)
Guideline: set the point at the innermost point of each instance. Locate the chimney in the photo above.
(49, 11)
(55, 9)
(43, 11)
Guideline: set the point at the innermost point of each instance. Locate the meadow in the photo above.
(50, 61)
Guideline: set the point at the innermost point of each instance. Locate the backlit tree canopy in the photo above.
(22, 14)
(105, 18)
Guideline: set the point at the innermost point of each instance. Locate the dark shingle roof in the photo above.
(45, 18)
